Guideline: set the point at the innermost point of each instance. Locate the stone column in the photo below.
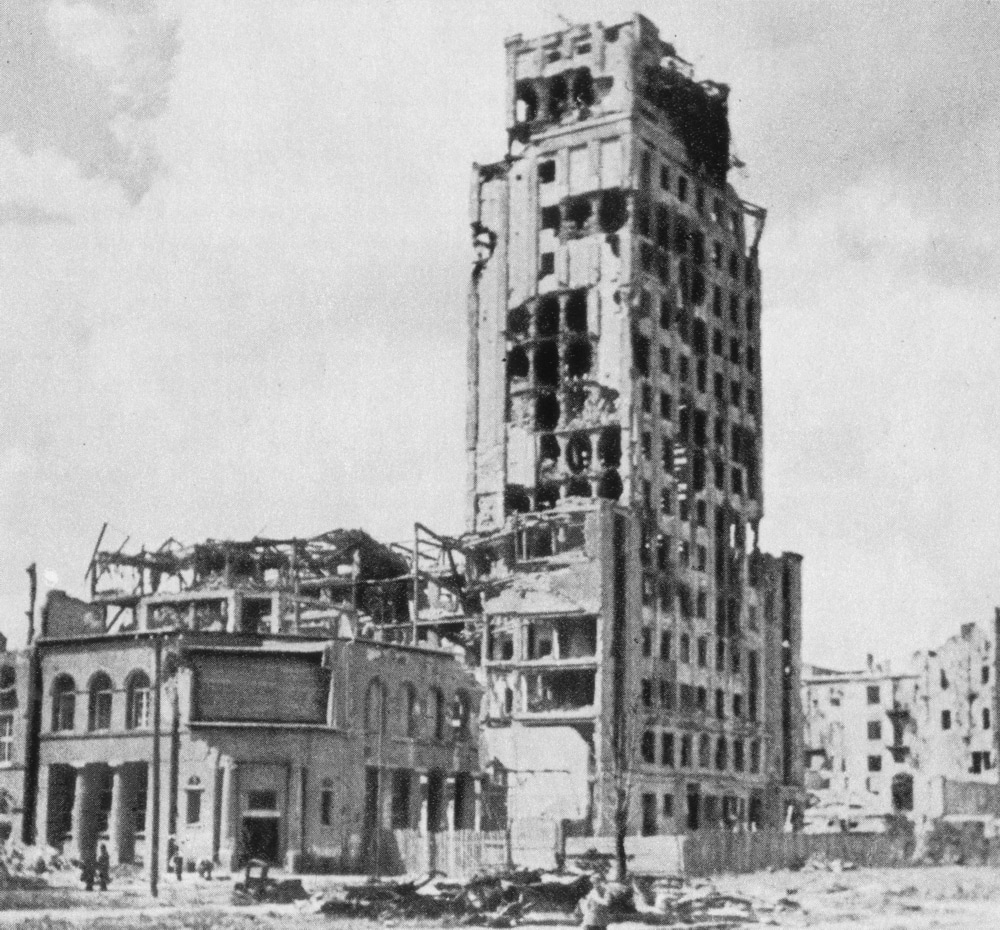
(230, 813)
(422, 823)
(293, 817)
(82, 813)
(118, 817)
(477, 813)
(449, 789)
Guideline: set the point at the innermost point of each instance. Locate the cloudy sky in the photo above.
(234, 255)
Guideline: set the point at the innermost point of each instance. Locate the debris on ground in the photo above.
(260, 889)
(33, 860)
(819, 864)
(504, 900)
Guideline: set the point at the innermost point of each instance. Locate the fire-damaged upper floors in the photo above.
(614, 368)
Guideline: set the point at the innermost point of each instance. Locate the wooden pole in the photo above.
(416, 581)
(154, 842)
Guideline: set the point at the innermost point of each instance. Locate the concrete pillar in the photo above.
(293, 817)
(450, 802)
(118, 817)
(422, 822)
(477, 813)
(230, 812)
(83, 813)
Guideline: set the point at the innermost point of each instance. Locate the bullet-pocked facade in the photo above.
(614, 368)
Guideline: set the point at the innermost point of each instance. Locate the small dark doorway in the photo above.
(649, 824)
(435, 802)
(261, 839)
(693, 807)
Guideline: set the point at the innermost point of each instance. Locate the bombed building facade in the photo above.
(920, 743)
(635, 634)
(242, 699)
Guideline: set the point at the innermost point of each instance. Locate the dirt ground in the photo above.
(943, 898)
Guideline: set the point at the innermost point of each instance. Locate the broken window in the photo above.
(874, 763)
(755, 757)
(698, 288)
(8, 687)
(546, 496)
(560, 690)
(647, 642)
(734, 351)
(547, 411)
(665, 409)
(612, 213)
(722, 754)
(547, 363)
(736, 392)
(578, 358)
(667, 750)
(873, 696)
(610, 486)
(734, 266)
(986, 718)
(666, 640)
(664, 178)
(137, 701)
(666, 507)
(578, 453)
(702, 652)
(702, 604)
(946, 720)
(410, 709)
(551, 219)
(518, 321)
(647, 693)
(704, 751)
(737, 703)
(944, 680)
(751, 310)
(546, 264)
(578, 212)
(685, 648)
(737, 755)
(576, 311)
(665, 314)
(461, 715)
(546, 171)
(437, 713)
(558, 97)
(682, 188)
(526, 108)
(662, 227)
(518, 365)
(609, 446)
(720, 656)
(99, 705)
(686, 751)
(874, 729)
(640, 353)
(985, 675)
(516, 499)
(583, 85)
(648, 747)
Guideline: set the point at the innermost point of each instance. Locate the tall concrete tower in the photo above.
(614, 354)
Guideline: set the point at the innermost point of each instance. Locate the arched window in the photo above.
(461, 712)
(375, 709)
(63, 703)
(99, 707)
(137, 707)
(437, 711)
(8, 687)
(409, 708)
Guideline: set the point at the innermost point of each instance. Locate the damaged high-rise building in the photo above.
(634, 635)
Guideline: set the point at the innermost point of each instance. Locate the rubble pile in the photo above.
(486, 900)
(505, 900)
(32, 860)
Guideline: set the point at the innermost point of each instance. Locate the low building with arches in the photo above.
(253, 707)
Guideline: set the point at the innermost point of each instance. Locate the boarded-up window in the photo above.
(284, 688)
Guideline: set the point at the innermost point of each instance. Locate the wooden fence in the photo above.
(464, 853)
(710, 853)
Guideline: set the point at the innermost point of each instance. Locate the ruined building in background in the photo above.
(920, 743)
(636, 638)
